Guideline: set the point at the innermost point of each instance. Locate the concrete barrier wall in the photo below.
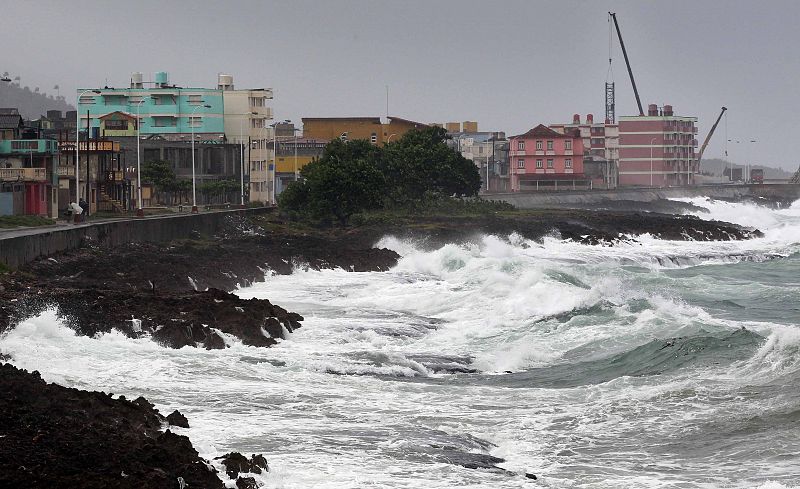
(533, 200)
(19, 250)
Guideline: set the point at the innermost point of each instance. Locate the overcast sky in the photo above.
(507, 64)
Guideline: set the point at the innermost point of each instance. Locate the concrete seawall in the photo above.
(534, 200)
(18, 249)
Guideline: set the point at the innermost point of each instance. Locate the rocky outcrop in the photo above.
(58, 437)
(177, 320)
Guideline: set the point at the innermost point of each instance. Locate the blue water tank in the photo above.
(162, 79)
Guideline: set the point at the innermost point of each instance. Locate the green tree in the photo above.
(159, 174)
(420, 163)
(344, 181)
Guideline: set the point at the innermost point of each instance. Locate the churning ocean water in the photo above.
(648, 364)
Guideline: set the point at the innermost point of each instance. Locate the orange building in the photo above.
(371, 129)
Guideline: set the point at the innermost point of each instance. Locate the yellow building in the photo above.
(116, 124)
(371, 129)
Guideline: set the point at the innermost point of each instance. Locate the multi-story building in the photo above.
(220, 115)
(657, 149)
(292, 155)
(545, 159)
(371, 129)
(601, 148)
(487, 149)
(28, 175)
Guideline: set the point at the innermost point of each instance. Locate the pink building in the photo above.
(657, 149)
(600, 145)
(544, 159)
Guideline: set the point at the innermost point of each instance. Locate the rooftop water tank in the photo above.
(137, 80)
(668, 110)
(589, 118)
(225, 82)
(652, 109)
(576, 118)
(162, 79)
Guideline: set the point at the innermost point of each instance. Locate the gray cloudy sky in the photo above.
(507, 64)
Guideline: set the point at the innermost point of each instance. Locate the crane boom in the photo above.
(710, 133)
(627, 62)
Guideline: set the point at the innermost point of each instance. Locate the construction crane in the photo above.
(710, 133)
(627, 62)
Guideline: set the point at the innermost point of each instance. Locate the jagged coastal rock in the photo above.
(59, 437)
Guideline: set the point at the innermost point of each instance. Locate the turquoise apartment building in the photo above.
(163, 108)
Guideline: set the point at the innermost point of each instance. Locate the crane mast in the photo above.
(627, 62)
(710, 133)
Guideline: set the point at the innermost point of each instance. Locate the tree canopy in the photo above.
(356, 176)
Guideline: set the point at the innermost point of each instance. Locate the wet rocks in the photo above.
(177, 419)
(236, 463)
(58, 437)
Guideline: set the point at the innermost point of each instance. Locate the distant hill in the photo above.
(30, 101)
(714, 166)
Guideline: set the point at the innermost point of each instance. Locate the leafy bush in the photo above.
(356, 176)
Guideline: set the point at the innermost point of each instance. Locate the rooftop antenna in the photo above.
(387, 103)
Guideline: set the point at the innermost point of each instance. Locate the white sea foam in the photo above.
(355, 397)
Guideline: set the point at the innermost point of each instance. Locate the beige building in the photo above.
(247, 117)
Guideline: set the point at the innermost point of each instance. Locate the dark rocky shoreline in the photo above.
(58, 437)
(179, 294)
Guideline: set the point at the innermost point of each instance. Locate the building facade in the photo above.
(545, 159)
(601, 148)
(657, 149)
(222, 115)
(371, 129)
(28, 174)
(487, 149)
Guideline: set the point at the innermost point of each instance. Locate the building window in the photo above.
(86, 100)
(164, 122)
(116, 125)
(373, 138)
(549, 145)
(521, 145)
(520, 163)
(134, 100)
(568, 144)
(195, 121)
(539, 164)
(549, 162)
(195, 99)
(27, 144)
(538, 145)
(256, 101)
(568, 163)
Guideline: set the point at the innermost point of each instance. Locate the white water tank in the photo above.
(224, 82)
(137, 79)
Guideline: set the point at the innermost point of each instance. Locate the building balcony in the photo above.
(568, 152)
(23, 174)
(518, 152)
(28, 146)
(66, 171)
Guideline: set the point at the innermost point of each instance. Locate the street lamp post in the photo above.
(194, 186)
(652, 141)
(241, 144)
(139, 209)
(749, 163)
(275, 159)
(77, 144)
(295, 152)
